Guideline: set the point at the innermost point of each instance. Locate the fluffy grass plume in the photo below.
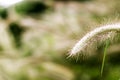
(83, 44)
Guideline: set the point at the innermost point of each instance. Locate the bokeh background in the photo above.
(36, 37)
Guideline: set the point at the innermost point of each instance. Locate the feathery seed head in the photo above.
(94, 36)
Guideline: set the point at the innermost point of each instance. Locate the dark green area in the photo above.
(3, 13)
(31, 8)
(17, 32)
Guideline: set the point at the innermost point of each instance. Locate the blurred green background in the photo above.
(36, 37)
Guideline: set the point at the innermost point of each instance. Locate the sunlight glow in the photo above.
(7, 3)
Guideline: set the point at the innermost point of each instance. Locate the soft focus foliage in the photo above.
(37, 35)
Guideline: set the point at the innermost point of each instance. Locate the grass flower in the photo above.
(90, 37)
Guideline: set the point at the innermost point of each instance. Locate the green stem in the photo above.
(104, 56)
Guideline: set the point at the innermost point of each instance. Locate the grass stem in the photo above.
(104, 56)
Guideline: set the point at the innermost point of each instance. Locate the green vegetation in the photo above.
(36, 38)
